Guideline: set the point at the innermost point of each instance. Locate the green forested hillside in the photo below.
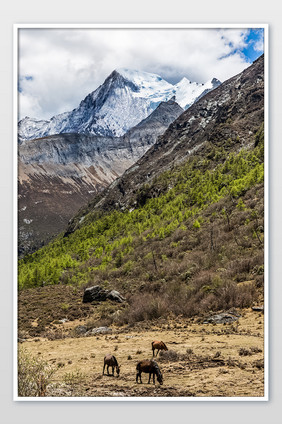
(194, 236)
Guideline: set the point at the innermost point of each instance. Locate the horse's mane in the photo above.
(157, 369)
(115, 360)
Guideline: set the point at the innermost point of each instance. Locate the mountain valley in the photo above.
(59, 174)
(175, 225)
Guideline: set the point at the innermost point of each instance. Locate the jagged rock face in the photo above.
(235, 110)
(121, 102)
(59, 174)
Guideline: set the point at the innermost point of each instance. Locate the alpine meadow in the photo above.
(141, 220)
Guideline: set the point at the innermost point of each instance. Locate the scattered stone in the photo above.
(97, 293)
(115, 296)
(223, 318)
(258, 308)
(99, 330)
(80, 329)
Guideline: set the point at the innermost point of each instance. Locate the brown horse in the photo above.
(156, 345)
(150, 367)
(111, 361)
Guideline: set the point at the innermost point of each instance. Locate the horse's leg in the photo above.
(157, 352)
(113, 370)
(104, 369)
(153, 352)
(149, 378)
(108, 369)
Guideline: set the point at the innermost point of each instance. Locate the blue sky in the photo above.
(254, 44)
(59, 67)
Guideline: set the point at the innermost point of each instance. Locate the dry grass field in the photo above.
(203, 360)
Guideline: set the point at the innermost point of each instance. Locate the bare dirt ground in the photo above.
(203, 360)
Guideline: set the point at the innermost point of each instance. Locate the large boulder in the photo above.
(94, 293)
(97, 293)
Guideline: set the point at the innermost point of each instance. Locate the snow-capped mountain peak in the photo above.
(139, 77)
(125, 98)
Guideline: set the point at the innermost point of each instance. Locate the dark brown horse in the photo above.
(149, 367)
(156, 345)
(111, 361)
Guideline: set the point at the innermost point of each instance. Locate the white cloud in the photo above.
(259, 44)
(67, 64)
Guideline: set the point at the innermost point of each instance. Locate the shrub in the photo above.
(34, 375)
(196, 224)
(169, 355)
(73, 378)
(147, 307)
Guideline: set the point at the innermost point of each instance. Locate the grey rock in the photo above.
(97, 293)
(222, 318)
(99, 330)
(80, 329)
(94, 293)
(258, 308)
(115, 296)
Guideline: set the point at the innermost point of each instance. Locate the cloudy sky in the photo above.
(59, 67)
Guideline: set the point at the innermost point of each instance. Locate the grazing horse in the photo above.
(111, 361)
(151, 367)
(158, 346)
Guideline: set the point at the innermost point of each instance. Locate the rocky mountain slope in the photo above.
(230, 115)
(60, 173)
(182, 231)
(121, 102)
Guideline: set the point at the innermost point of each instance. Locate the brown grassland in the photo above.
(203, 360)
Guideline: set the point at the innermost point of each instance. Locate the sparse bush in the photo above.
(244, 351)
(34, 375)
(55, 335)
(255, 349)
(64, 306)
(73, 378)
(169, 355)
(259, 364)
(147, 307)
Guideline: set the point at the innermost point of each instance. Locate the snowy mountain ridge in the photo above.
(124, 99)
